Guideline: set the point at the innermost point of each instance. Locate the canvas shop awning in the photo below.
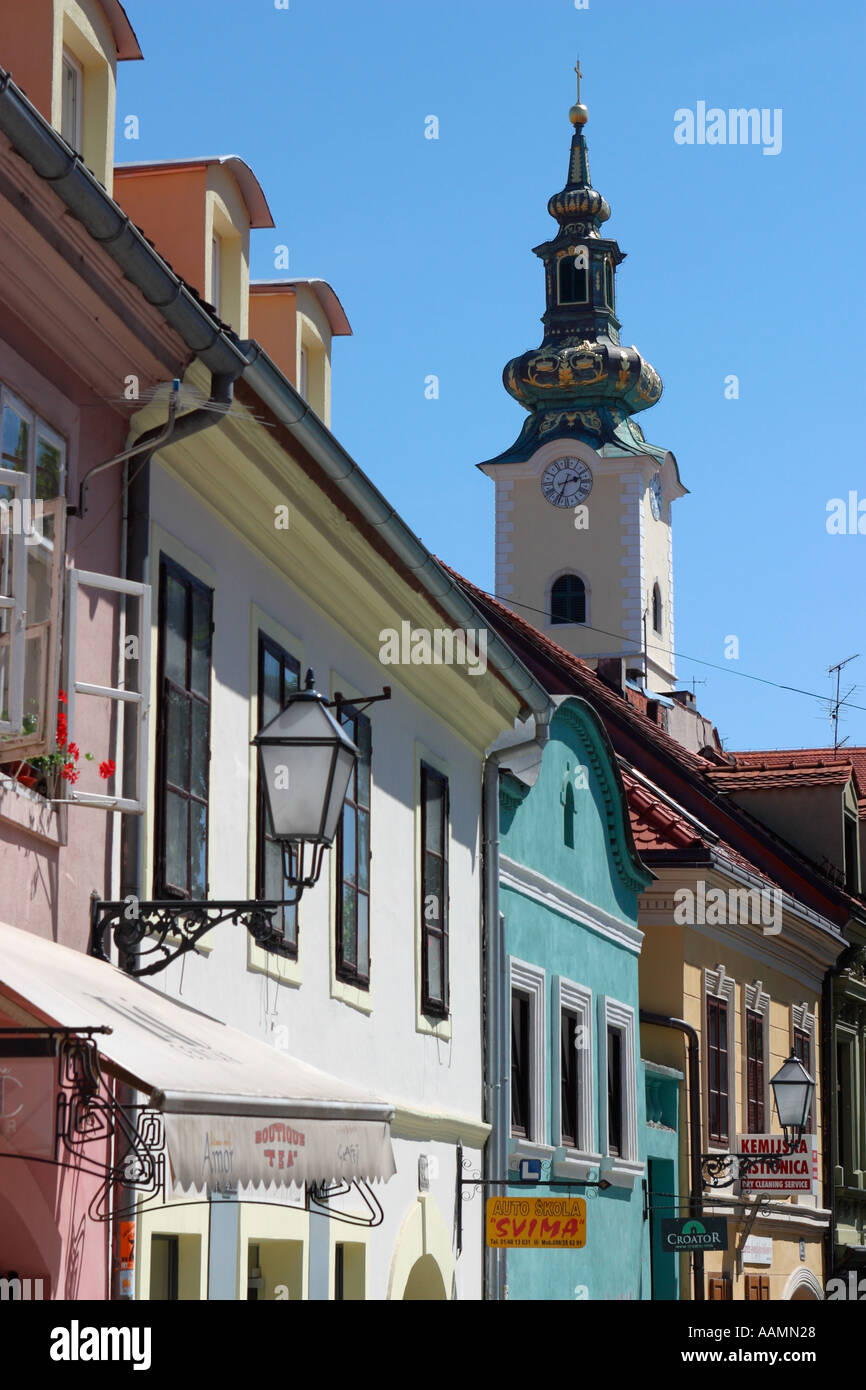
(236, 1110)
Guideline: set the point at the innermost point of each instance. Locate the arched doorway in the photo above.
(425, 1281)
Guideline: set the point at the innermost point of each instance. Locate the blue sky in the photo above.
(738, 263)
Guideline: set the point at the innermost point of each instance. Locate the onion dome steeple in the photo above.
(580, 383)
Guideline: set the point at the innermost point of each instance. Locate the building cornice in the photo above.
(541, 889)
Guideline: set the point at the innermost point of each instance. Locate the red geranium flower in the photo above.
(62, 696)
(74, 751)
(69, 772)
(106, 770)
(62, 730)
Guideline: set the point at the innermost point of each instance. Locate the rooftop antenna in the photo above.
(840, 701)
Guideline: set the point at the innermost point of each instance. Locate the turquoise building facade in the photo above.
(575, 1094)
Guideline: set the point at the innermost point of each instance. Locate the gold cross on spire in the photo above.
(579, 76)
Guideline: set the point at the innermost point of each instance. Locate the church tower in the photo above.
(583, 501)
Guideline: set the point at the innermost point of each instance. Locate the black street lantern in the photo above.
(305, 760)
(793, 1089)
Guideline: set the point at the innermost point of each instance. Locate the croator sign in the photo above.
(798, 1169)
(693, 1234)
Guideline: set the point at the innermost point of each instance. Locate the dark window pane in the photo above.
(199, 749)
(520, 1096)
(200, 662)
(175, 630)
(349, 925)
(614, 1091)
(348, 841)
(363, 828)
(198, 849)
(177, 823)
(363, 934)
(434, 965)
(177, 738)
(568, 1076)
(49, 467)
(568, 600)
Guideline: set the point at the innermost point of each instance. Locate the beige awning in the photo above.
(236, 1110)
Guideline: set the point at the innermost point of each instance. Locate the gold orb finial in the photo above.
(578, 115)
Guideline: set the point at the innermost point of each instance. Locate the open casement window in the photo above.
(128, 700)
(31, 547)
(12, 590)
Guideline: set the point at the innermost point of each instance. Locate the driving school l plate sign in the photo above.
(536, 1223)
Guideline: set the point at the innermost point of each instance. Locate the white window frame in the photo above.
(14, 603)
(756, 1001)
(532, 981)
(718, 984)
(577, 999)
(139, 698)
(38, 427)
(72, 65)
(803, 1019)
(623, 1168)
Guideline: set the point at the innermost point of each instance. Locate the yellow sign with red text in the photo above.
(536, 1223)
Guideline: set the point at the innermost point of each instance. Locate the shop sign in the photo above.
(758, 1250)
(680, 1234)
(28, 1105)
(798, 1171)
(536, 1223)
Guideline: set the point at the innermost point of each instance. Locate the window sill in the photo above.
(525, 1148)
(30, 812)
(434, 1027)
(576, 1165)
(360, 999)
(285, 969)
(621, 1172)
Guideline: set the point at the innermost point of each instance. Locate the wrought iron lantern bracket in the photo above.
(175, 926)
(723, 1169)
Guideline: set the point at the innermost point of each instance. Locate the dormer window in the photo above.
(573, 282)
(72, 100)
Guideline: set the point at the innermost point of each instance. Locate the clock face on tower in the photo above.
(566, 481)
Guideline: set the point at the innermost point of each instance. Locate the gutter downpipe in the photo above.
(828, 1082)
(696, 1202)
(135, 564)
(496, 1058)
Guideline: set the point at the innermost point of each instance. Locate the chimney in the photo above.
(611, 669)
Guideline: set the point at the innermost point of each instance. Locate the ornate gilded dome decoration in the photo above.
(580, 382)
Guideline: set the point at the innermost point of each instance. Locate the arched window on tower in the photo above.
(573, 285)
(657, 608)
(568, 599)
(608, 283)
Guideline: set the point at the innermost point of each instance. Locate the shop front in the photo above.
(148, 1150)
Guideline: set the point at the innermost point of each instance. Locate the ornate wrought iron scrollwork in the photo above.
(322, 1195)
(88, 1114)
(172, 927)
(721, 1170)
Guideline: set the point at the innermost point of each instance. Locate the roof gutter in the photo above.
(56, 162)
